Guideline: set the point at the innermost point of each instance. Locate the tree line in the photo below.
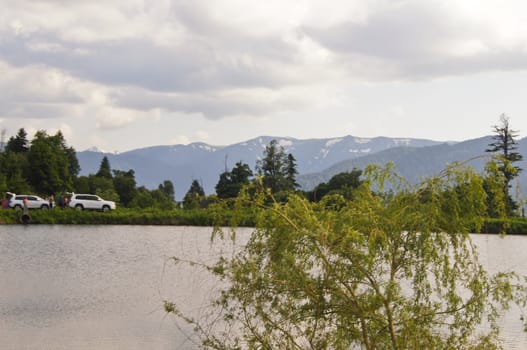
(47, 165)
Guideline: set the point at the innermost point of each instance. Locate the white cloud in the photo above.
(112, 64)
(180, 140)
(202, 135)
(64, 128)
(115, 118)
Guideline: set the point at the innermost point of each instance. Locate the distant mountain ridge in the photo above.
(414, 163)
(318, 159)
(183, 163)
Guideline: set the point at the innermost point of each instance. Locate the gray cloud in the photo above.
(181, 56)
(187, 67)
(213, 105)
(416, 40)
(211, 69)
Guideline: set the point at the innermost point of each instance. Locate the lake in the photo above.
(102, 287)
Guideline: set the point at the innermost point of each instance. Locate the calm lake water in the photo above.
(102, 287)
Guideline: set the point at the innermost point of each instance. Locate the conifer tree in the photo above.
(277, 168)
(291, 172)
(193, 196)
(505, 145)
(167, 188)
(105, 169)
(18, 143)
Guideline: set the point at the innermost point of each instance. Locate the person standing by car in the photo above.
(60, 202)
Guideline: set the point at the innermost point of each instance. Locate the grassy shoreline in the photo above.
(179, 217)
(118, 217)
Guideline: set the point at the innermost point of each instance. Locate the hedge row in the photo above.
(196, 217)
(512, 226)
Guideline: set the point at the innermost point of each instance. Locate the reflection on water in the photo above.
(102, 287)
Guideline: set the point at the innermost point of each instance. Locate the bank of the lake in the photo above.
(123, 216)
(195, 217)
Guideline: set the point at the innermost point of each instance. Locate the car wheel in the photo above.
(17, 207)
(105, 208)
(79, 207)
(44, 207)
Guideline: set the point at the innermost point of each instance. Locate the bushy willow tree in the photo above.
(391, 269)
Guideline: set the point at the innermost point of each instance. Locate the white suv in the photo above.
(33, 202)
(90, 201)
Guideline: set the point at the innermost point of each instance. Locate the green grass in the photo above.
(122, 216)
(180, 217)
(510, 226)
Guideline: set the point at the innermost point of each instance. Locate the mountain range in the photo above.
(318, 159)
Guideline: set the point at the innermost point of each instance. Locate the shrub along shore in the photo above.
(194, 217)
(177, 217)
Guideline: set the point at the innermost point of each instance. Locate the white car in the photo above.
(90, 201)
(33, 202)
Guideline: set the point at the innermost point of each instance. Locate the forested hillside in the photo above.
(415, 163)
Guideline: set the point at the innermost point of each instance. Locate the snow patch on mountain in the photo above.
(361, 140)
(182, 163)
(94, 149)
(285, 143)
(203, 146)
(332, 142)
(402, 142)
(207, 148)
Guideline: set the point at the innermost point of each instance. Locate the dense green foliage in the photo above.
(105, 169)
(510, 226)
(45, 165)
(389, 269)
(48, 167)
(125, 216)
(343, 183)
(231, 182)
(18, 143)
(277, 169)
(194, 197)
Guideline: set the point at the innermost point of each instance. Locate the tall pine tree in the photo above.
(277, 169)
(505, 145)
(18, 143)
(194, 196)
(105, 169)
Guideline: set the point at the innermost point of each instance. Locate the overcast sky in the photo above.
(124, 74)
